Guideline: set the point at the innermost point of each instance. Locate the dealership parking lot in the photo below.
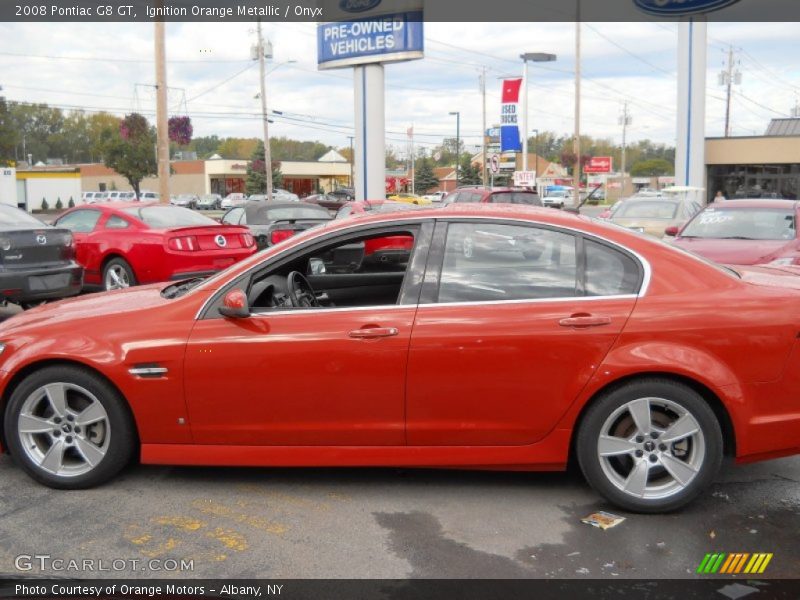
(383, 523)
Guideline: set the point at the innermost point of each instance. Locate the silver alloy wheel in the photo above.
(64, 429)
(651, 448)
(117, 278)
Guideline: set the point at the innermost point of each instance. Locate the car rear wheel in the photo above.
(650, 446)
(118, 275)
(68, 428)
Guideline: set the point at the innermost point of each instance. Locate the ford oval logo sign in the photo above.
(221, 241)
(677, 8)
(357, 6)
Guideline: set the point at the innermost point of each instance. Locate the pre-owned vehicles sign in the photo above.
(388, 38)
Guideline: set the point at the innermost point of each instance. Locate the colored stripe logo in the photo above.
(734, 563)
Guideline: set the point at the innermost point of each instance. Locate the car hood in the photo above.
(655, 227)
(133, 300)
(733, 252)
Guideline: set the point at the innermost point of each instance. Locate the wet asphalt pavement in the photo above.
(392, 523)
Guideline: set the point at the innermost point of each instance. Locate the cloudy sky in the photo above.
(109, 67)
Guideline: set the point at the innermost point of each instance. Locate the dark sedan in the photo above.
(36, 260)
(273, 222)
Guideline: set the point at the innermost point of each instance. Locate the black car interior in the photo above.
(342, 274)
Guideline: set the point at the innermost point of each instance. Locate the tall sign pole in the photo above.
(162, 125)
(262, 58)
(690, 150)
(576, 145)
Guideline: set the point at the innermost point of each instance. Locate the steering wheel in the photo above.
(301, 293)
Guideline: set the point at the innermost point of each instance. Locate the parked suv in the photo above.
(494, 196)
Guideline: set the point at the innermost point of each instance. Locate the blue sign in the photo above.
(677, 8)
(387, 38)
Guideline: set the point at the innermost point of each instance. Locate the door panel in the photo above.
(299, 378)
(502, 374)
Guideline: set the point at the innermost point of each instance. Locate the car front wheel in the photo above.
(650, 446)
(68, 428)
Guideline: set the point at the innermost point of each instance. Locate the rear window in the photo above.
(516, 198)
(169, 216)
(14, 216)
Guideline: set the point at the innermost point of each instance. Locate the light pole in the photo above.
(529, 57)
(458, 140)
(536, 152)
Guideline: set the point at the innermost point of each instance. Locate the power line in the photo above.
(117, 60)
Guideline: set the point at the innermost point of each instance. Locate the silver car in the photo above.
(184, 200)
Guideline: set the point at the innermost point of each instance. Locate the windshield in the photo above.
(517, 198)
(14, 216)
(743, 223)
(169, 216)
(650, 209)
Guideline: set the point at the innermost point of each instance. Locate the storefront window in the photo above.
(754, 181)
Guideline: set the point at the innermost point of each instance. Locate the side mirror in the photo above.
(235, 305)
(671, 231)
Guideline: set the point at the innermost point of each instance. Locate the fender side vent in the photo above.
(148, 371)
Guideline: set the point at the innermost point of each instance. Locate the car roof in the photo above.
(756, 203)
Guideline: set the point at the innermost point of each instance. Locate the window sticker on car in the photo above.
(708, 219)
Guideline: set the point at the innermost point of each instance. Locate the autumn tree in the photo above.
(256, 182)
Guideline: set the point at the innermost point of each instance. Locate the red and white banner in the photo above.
(598, 164)
(509, 116)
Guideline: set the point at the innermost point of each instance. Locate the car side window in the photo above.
(115, 222)
(233, 217)
(488, 262)
(80, 221)
(609, 272)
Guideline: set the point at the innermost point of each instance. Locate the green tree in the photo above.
(653, 167)
(468, 173)
(130, 152)
(8, 134)
(256, 182)
(424, 177)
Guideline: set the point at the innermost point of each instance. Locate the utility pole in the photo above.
(728, 77)
(482, 79)
(457, 115)
(576, 145)
(162, 126)
(352, 160)
(625, 119)
(262, 51)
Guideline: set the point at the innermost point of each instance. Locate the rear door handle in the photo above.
(583, 321)
(369, 333)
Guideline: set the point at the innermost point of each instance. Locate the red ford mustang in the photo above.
(120, 245)
(572, 337)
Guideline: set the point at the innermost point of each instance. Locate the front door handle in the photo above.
(584, 321)
(368, 333)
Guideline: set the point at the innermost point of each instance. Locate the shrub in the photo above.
(59, 204)
(45, 205)
(71, 203)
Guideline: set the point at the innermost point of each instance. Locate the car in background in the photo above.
(97, 197)
(37, 261)
(209, 202)
(558, 198)
(184, 200)
(497, 195)
(281, 195)
(435, 196)
(273, 222)
(117, 196)
(743, 232)
(408, 198)
(257, 198)
(121, 245)
(146, 196)
(234, 199)
(346, 194)
(91, 197)
(609, 211)
(655, 215)
(330, 201)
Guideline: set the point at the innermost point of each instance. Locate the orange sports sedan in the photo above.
(562, 337)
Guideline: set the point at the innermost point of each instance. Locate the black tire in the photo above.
(605, 406)
(122, 439)
(118, 263)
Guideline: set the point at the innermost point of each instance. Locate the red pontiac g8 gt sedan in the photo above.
(571, 337)
(124, 244)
